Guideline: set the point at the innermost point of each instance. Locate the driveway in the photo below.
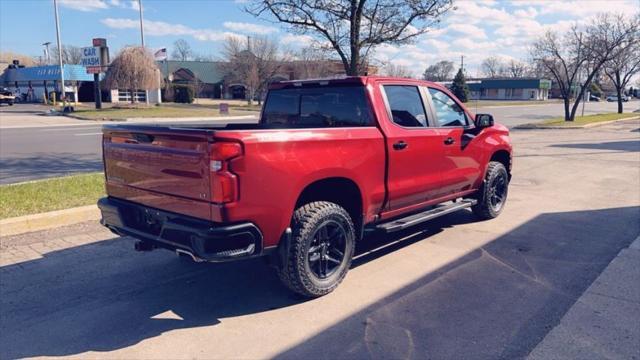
(454, 288)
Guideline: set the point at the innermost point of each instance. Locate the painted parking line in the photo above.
(87, 134)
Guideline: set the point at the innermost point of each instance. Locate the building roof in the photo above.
(207, 71)
(509, 83)
(48, 72)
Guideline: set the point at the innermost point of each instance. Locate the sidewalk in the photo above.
(604, 323)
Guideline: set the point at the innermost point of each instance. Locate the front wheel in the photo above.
(493, 194)
(321, 249)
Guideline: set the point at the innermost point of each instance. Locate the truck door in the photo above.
(460, 165)
(414, 149)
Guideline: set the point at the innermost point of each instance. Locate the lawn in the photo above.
(50, 194)
(588, 119)
(122, 112)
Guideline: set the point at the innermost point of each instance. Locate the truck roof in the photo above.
(362, 80)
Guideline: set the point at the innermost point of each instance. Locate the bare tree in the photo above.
(70, 54)
(492, 67)
(622, 68)
(312, 63)
(440, 71)
(574, 58)
(355, 27)
(397, 71)
(516, 68)
(8, 57)
(253, 64)
(181, 50)
(134, 69)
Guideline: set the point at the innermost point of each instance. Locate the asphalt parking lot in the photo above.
(452, 289)
(33, 146)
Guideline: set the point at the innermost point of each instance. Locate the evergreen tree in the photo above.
(459, 87)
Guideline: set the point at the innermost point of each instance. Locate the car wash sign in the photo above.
(91, 59)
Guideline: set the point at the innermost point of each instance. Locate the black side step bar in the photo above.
(411, 220)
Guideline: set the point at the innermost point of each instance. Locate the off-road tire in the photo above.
(484, 208)
(295, 272)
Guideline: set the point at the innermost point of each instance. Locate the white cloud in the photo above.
(249, 27)
(468, 30)
(161, 28)
(578, 9)
(84, 5)
(296, 40)
(436, 45)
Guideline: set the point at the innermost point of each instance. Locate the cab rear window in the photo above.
(318, 107)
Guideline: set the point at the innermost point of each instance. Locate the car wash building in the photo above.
(35, 84)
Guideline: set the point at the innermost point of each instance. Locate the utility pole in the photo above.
(62, 96)
(462, 63)
(146, 91)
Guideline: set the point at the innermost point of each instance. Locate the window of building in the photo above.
(405, 104)
(448, 112)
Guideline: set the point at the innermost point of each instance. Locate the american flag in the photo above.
(161, 54)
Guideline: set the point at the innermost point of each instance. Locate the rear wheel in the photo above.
(322, 245)
(493, 194)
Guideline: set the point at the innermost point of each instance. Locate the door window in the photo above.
(405, 105)
(448, 111)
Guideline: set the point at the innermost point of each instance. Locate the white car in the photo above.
(611, 98)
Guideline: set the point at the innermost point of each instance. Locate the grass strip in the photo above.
(50, 194)
(588, 119)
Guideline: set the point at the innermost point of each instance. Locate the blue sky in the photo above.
(477, 29)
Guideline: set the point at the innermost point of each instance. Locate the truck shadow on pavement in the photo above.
(495, 302)
(103, 296)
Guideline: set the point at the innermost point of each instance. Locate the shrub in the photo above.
(183, 94)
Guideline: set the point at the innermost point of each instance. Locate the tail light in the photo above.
(224, 183)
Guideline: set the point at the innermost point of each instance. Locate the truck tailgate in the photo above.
(167, 168)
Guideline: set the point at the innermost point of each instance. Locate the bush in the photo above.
(183, 94)
(459, 87)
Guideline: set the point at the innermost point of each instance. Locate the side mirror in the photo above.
(484, 120)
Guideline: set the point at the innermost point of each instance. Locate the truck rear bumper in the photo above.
(202, 240)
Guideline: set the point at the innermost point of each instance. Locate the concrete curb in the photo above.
(586, 126)
(48, 220)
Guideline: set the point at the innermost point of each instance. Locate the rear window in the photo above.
(317, 108)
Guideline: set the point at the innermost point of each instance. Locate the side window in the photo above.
(406, 105)
(448, 112)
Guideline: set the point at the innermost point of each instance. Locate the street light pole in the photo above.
(47, 57)
(146, 91)
(141, 22)
(62, 96)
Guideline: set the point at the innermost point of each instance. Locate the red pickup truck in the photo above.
(327, 160)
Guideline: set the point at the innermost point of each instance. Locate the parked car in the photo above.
(593, 98)
(6, 97)
(329, 162)
(611, 98)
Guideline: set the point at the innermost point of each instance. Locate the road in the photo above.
(453, 289)
(42, 151)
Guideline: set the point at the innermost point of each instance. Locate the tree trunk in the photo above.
(619, 91)
(567, 114)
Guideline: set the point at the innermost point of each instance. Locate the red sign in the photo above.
(224, 109)
(94, 69)
(100, 42)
